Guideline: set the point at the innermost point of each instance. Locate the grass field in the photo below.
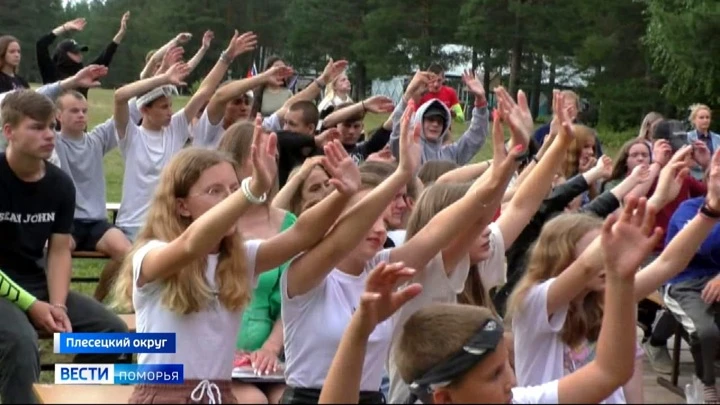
(100, 109)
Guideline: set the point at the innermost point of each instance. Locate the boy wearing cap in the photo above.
(67, 59)
(434, 119)
(147, 147)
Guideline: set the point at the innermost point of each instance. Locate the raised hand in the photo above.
(563, 116)
(263, 152)
(383, 155)
(345, 174)
(410, 147)
(605, 165)
(701, 153)
(172, 56)
(381, 299)
(88, 77)
(713, 183)
(327, 136)
(240, 44)
(420, 83)
(123, 21)
(662, 152)
(586, 163)
(177, 73)
(504, 163)
(630, 237)
(640, 174)
(77, 24)
(207, 38)
(516, 115)
(378, 104)
(277, 74)
(332, 70)
(183, 38)
(473, 84)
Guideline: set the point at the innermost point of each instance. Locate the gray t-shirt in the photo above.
(82, 160)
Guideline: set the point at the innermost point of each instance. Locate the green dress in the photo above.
(264, 309)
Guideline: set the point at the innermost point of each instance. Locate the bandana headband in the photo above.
(168, 91)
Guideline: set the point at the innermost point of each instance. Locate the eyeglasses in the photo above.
(217, 192)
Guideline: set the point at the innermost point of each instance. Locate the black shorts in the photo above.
(88, 232)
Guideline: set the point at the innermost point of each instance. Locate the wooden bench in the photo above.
(90, 394)
(129, 320)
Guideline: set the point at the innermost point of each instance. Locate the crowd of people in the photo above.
(366, 266)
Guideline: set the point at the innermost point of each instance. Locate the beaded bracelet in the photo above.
(245, 186)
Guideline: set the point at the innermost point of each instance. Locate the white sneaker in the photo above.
(659, 358)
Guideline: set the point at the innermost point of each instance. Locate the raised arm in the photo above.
(157, 56)
(48, 72)
(374, 104)
(466, 218)
(306, 272)
(239, 44)
(683, 246)
(216, 107)
(312, 91)
(630, 239)
(206, 232)
(534, 189)
(380, 301)
(200, 54)
(415, 88)
(106, 56)
(470, 143)
(283, 199)
(312, 226)
(121, 111)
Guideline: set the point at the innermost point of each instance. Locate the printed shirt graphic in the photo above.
(30, 212)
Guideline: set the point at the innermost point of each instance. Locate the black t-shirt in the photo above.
(29, 214)
(10, 83)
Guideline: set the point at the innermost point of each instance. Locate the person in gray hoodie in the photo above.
(435, 118)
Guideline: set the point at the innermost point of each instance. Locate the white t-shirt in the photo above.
(540, 394)
(540, 354)
(441, 287)
(146, 153)
(397, 236)
(315, 322)
(205, 134)
(205, 340)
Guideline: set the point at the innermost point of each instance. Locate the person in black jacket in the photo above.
(9, 61)
(68, 56)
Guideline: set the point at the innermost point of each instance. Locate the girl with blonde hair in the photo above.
(557, 307)
(337, 92)
(190, 272)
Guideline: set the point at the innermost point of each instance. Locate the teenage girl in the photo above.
(191, 273)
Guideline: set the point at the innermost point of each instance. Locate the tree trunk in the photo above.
(516, 57)
(537, 85)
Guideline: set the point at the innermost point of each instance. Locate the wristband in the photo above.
(709, 212)
(245, 186)
(61, 306)
(12, 292)
(225, 58)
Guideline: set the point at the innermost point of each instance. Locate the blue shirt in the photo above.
(706, 261)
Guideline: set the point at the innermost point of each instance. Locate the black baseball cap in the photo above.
(70, 45)
(435, 110)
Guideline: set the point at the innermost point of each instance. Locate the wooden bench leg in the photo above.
(672, 384)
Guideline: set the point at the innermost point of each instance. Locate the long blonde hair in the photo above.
(552, 253)
(187, 290)
(434, 199)
(330, 90)
(583, 135)
(695, 109)
(647, 123)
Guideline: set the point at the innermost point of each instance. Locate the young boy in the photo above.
(81, 155)
(37, 208)
(451, 353)
(147, 147)
(435, 119)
